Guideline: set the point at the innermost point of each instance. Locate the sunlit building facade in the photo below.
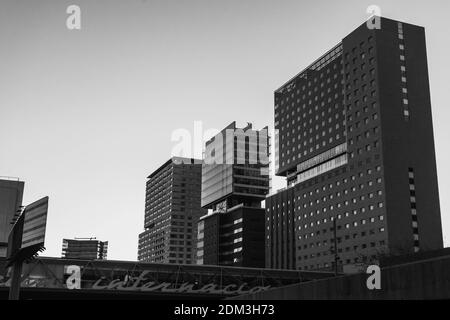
(355, 143)
(172, 211)
(235, 180)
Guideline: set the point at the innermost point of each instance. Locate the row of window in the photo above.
(322, 157)
(338, 194)
(363, 68)
(346, 225)
(362, 45)
(320, 169)
(360, 186)
(312, 94)
(306, 111)
(330, 251)
(339, 239)
(401, 45)
(338, 183)
(370, 207)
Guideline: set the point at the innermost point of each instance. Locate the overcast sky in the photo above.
(86, 115)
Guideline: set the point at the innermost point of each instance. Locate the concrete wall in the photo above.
(428, 279)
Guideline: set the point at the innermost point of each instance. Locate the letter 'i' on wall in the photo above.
(374, 280)
(374, 21)
(73, 21)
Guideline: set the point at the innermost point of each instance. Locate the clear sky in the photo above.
(86, 115)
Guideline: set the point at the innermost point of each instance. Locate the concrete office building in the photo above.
(172, 211)
(355, 143)
(11, 193)
(235, 179)
(84, 248)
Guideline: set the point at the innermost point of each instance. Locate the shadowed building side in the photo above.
(356, 145)
(11, 194)
(172, 211)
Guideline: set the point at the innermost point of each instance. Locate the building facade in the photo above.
(236, 167)
(11, 194)
(234, 238)
(89, 248)
(235, 180)
(172, 211)
(280, 230)
(46, 278)
(355, 143)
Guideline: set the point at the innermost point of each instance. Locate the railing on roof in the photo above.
(321, 62)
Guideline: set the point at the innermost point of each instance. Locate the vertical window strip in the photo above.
(414, 222)
(401, 46)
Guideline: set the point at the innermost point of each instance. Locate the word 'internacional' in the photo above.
(138, 284)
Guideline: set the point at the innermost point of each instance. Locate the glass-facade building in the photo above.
(236, 167)
(235, 180)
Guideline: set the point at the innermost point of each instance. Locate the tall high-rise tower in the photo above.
(355, 142)
(172, 210)
(235, 180)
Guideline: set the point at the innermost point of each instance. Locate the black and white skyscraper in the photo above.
(355, 143)
(172, 210)
(235, 180)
